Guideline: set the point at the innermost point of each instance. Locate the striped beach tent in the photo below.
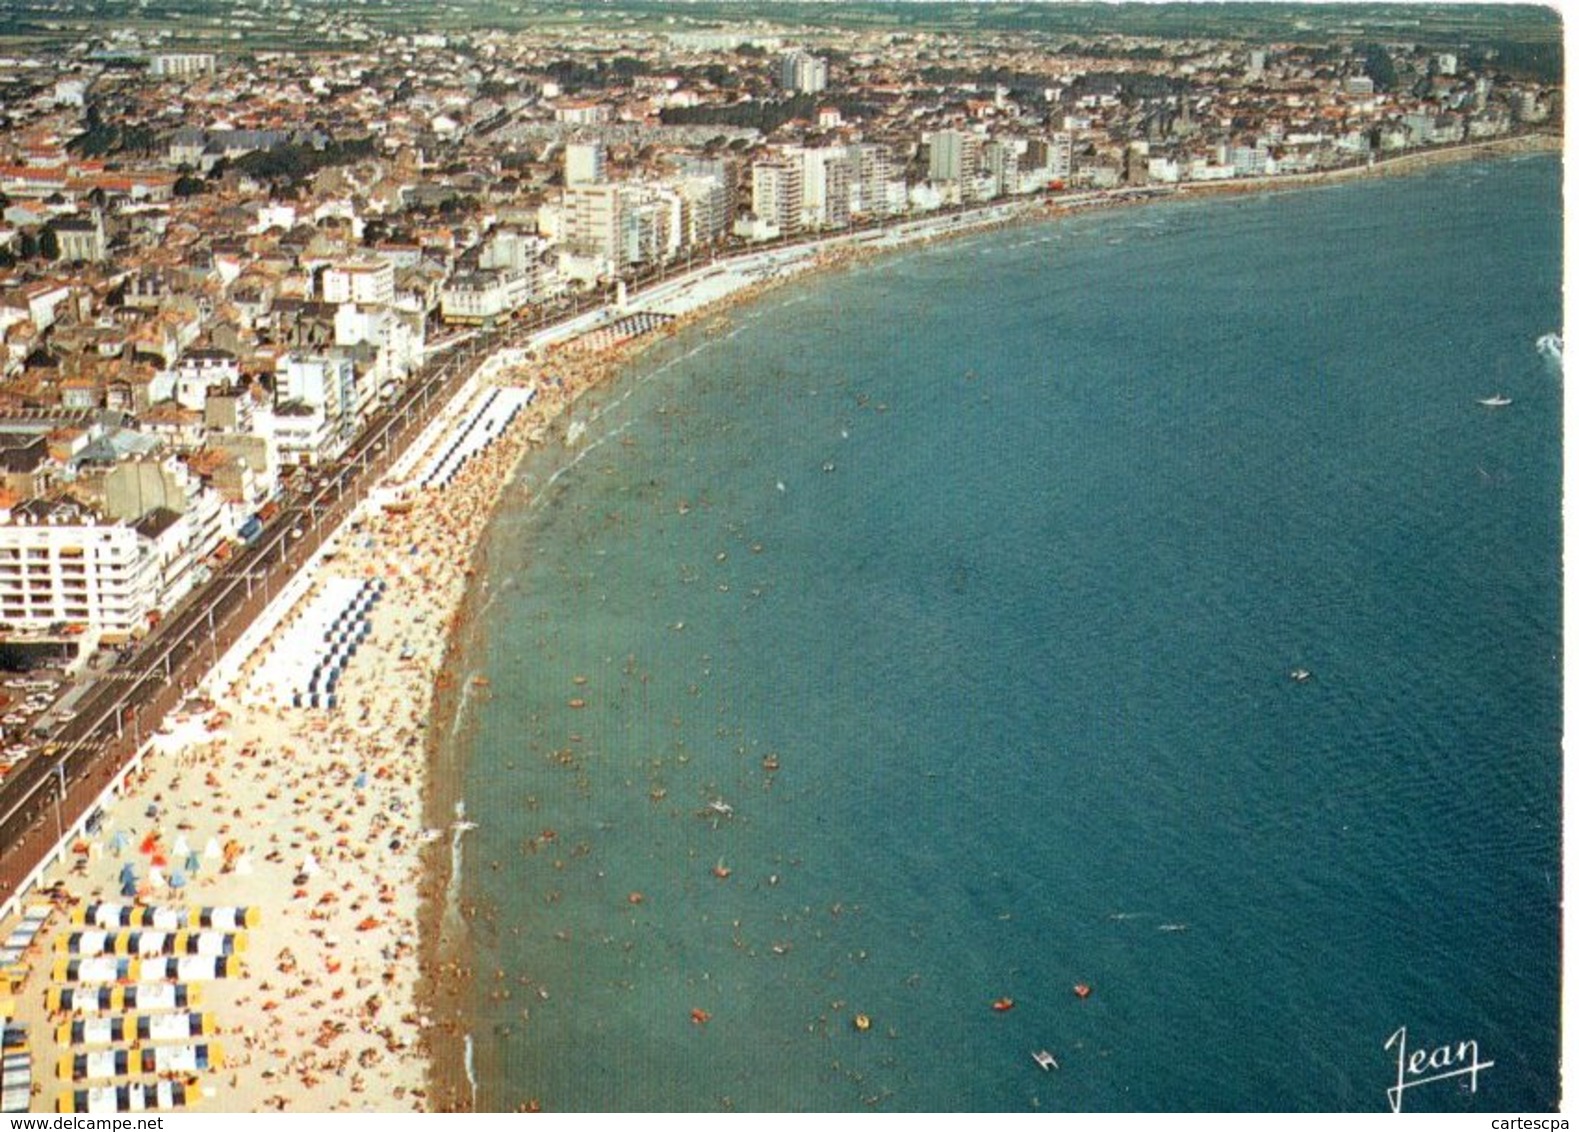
(191, 968)
(95, 969)
(98, 1066)
(103, 1065)
(118, 999)
(136, 1028)
(137, 1097)
(16, 1069)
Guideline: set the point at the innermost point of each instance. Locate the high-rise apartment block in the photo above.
(181, 65)
(64, 562)
(584, 163)
(593, 221)
(777, 193)
(803, 73)
(955, 156)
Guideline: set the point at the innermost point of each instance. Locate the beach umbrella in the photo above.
(152, 811)
(361, 781)
(128, 872)
(310, 865)
(244, 865)
(192, 863)
(155, 877)
(177, 879)
(180, 848)
(129, 887)
(118, 842)
(211, 850)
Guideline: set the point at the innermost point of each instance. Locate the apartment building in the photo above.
(63, 563)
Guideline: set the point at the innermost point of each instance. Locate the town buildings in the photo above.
(219, 256)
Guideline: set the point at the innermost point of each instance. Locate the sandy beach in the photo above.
(336, 825)
(326, 823)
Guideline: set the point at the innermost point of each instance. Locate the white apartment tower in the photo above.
(954, 156)
(63, 562)
(1002, 161)
(593, 221)
(1060, 156)
(180, 65)
(370, 282)
(777, 192)
(584, 163)
(826, 179)
(872, 171)
(705, 215)
(803, 73)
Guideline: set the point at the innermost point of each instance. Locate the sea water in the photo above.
(920, 639)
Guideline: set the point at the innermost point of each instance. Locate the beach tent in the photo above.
(226, 918)
(136, 1097)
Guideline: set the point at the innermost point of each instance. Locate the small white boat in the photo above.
(1299, 675)
(1495, 401)
(1046, 1060)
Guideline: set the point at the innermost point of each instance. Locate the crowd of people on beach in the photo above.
(321, 811)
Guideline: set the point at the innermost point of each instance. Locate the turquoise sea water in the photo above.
(1004, 551)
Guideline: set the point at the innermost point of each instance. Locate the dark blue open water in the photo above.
(1005, 550)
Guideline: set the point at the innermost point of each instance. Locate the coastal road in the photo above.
(48, 792)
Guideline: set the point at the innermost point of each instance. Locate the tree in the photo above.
(49, 244)
(1379, 66)
(189, 186)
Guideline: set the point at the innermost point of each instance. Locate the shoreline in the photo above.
(447, 1073)
(445, 957)
(381, 850)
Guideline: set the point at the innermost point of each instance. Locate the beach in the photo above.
(332, 823)
(326, 822)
